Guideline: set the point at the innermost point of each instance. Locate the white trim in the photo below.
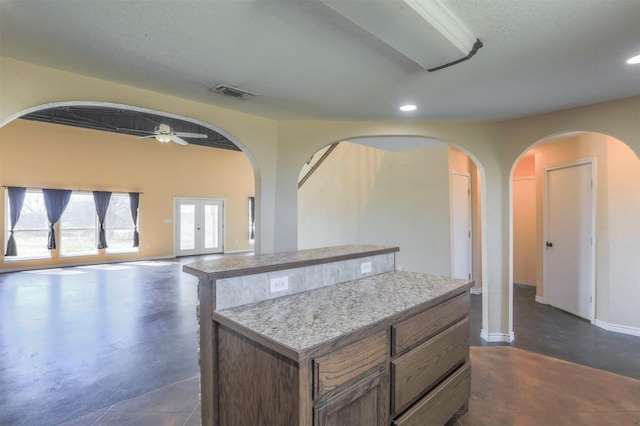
(474, 290)
(540, 300)
(591, 161)
(237, 251)
(497, 337)
(616, 328)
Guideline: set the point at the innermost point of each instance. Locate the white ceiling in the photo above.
(306, 61)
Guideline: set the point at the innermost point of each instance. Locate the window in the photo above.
(119, 225)
(78, 226)
(32, 229)
(77, 229)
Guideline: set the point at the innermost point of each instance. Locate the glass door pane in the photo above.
(211, 226)
(187, 226)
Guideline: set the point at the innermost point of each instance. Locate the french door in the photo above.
(199, 226)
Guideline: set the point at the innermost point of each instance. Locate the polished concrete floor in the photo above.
(115, 344)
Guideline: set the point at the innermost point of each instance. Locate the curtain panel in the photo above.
(101, 200)
(252, 218)
(55, 201)
(134, 202)
(16, 200)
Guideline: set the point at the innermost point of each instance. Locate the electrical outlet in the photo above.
(279, 284)
(365, 267)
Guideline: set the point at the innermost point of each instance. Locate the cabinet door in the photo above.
(363, 403)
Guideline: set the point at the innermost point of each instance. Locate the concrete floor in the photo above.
(115, 344)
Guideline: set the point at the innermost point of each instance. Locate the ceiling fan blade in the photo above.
(190, 135)
(178, 140)
(146, 137)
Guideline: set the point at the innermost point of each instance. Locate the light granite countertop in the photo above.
(304, 320)
(246, 265)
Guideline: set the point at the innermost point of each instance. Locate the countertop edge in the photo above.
(210, 276)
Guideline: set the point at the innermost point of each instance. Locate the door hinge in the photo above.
(590, 299)
(469, 276)
(469, 234)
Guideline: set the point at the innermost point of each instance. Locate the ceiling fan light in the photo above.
(407, 108)
(634, 60)
(163, 138)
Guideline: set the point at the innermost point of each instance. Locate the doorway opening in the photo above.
(576, 229)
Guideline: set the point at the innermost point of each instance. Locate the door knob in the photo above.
(549, 244)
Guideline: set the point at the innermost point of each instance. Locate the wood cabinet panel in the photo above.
(416, 372)
(362, 404)
(256, 386)
(350, 362)
(419, 328)
(442, 403)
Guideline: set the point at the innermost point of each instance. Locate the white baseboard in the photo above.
(540, 300)
(76, 264)
(474, 290)
(616, 328)
(497, 337)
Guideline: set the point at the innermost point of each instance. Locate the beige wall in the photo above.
(43, 155)
(367, 195)
(277, 151)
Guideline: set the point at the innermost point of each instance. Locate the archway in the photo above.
(392, 190)
(153, 167)
(616, 187)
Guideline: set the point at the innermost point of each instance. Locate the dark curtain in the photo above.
(101, 199)
(55, 200)
(252, 218)
(134, 202)
(16, 199)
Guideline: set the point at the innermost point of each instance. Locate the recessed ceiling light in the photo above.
(634, 60)
(407, 108)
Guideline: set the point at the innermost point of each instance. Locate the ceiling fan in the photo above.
(165, 134)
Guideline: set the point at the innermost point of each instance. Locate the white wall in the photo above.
(367, 195)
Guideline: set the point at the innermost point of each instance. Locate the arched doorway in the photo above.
(614, 242)
(393, 191)
(90, 146)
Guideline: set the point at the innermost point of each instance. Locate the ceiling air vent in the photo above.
(233, 91)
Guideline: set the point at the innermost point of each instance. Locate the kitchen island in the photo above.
(330, 336)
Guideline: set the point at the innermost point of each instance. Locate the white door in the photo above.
(198, 226)
(569, 239)
(461, 225)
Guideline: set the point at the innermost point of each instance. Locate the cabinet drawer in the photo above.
(420, 327)
(419, 370)
(343, 365)
(442, 403)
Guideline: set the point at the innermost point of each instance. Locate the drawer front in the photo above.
(420, 327)
(420, 369)
(343, 365)
(442, 403)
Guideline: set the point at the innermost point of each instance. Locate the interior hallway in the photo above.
(115, 344)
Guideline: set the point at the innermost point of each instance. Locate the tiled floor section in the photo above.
(173, 405)
(509, 386)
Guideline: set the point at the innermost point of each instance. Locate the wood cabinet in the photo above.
(389, 349)
(352, 381)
